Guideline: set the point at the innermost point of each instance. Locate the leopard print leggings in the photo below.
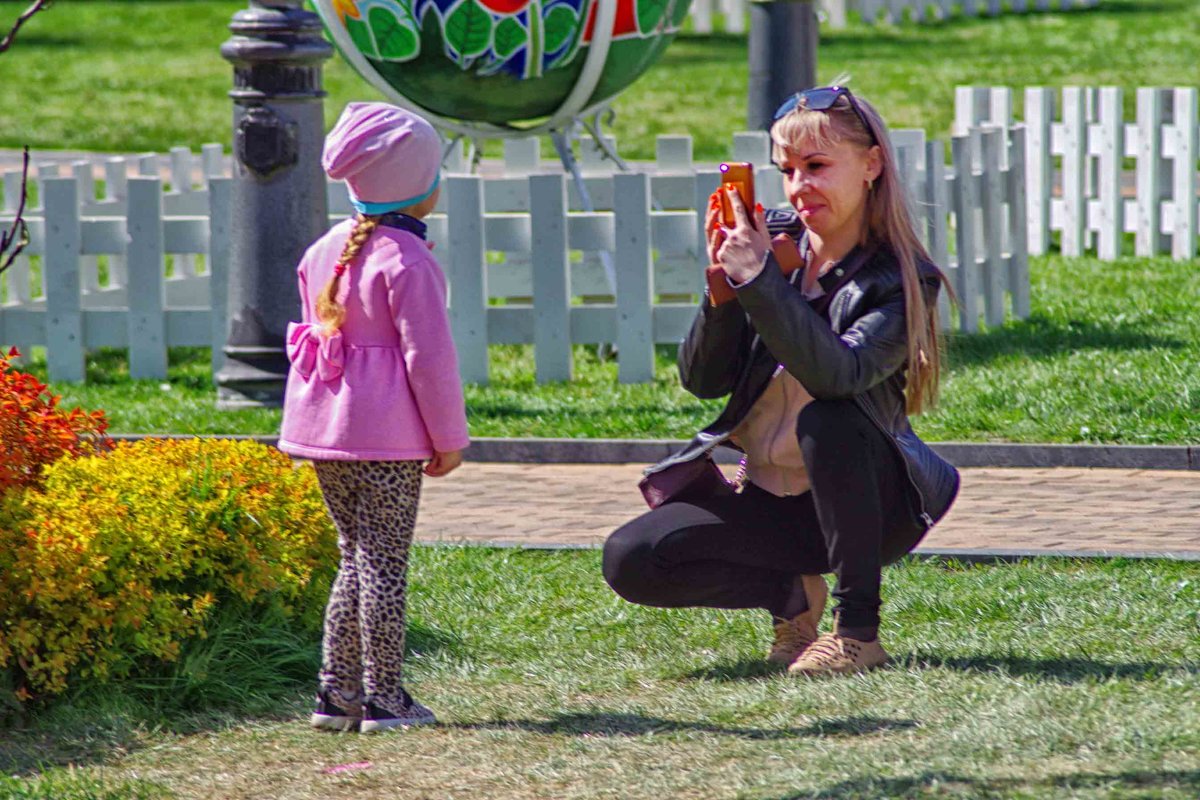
(374, 507)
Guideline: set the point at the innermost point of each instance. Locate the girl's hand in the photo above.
(443, 463)
(741, 253)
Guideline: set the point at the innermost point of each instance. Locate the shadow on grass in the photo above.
(212, 687)
(1039, 336)
(745, 669)
(603, 723)
(948, 784)
(1061, 670)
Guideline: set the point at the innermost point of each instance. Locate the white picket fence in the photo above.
(524, 261)
(836, 13)
(1078, 146)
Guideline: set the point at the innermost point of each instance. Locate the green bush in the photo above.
(119, 559)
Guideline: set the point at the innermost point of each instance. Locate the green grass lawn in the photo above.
(110, 76)
(1110, 354)
(1046, 679)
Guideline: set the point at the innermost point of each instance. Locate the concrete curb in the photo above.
(947, 554)
(960, 454)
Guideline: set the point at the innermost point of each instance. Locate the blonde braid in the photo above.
(330, 312)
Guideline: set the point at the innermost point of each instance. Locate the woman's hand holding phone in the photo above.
(740, 248)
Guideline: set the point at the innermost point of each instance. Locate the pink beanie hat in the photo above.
(389, 157)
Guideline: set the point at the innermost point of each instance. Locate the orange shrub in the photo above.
(35, 431)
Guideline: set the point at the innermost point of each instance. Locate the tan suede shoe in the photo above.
(834, 654)
(794, 636)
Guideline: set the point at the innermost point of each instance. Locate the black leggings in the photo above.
(745, 550)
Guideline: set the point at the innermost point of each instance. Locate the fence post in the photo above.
(64, 317)
(116, 180)
(551, 277)
(146, 292)
(1183, 239)
(521, 155)
(212, 159)
(1039, 175)
(181, 184)
(1147, 238)
(1074, 164)
(1018, 253)
(672, 153)
(934, 197)
(995, 275)
(735, 16)
(835, 13)
(970, 107)
(635, 278)
(220, 239)
(1111, 219)
(965, 202)
(468, 275)
(89, 266)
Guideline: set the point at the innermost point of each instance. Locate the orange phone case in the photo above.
(741, 175)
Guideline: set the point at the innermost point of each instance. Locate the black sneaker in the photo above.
(335, 712)
(376, 718)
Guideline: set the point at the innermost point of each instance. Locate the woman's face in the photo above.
(827, 185)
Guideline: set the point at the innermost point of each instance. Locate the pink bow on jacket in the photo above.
(307, 349)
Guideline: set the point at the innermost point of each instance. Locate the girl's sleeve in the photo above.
(417, 298)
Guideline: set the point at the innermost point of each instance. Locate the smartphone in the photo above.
(739, 174)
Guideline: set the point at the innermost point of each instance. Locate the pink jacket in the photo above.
(386, 386)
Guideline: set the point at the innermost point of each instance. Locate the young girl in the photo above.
(374, 400)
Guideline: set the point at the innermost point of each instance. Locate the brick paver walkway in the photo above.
(1026, 510)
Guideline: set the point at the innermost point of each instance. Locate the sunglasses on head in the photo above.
(823, 98)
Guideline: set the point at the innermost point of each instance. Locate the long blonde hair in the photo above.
(330, 313)
(888, 223)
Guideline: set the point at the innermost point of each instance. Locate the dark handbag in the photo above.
(698, 478)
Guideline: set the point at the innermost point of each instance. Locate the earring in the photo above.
(870, 184)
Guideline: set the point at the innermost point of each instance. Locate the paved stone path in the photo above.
(1004, 511)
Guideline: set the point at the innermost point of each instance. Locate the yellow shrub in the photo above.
(121, 557)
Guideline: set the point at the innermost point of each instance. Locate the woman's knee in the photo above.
(628, 562)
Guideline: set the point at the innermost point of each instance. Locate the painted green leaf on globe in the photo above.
(360, 34)
(650, 14)
(510, 35)
(396, 39)
(469, 29)
(560, 24)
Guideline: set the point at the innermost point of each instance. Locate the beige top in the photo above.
(768, 433)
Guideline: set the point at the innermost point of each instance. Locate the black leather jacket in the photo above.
(857, 349)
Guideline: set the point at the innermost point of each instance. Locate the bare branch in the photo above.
(16, 237)
(26, 15)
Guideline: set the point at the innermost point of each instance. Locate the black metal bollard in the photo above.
(783, 56)
(279, 204)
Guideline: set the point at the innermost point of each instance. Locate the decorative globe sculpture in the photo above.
(496, 68)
